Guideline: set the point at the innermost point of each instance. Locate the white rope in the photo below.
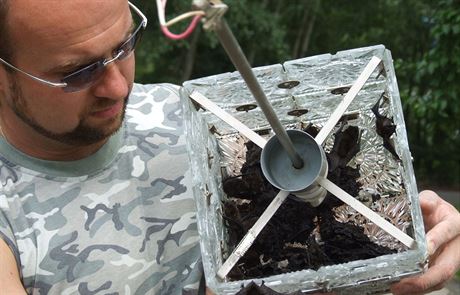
(345, 103)
(252, 234)
(364, 210)
(229, 119)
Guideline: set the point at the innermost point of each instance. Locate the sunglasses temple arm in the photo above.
(52, 84)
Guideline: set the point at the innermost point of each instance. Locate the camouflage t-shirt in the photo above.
(121, 221)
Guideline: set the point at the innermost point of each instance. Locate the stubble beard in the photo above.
(82, 135)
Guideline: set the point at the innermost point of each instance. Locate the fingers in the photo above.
(441, 270)
(442, 220)
(428, 203)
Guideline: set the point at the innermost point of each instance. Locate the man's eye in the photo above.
(75, 69)
(67, 72)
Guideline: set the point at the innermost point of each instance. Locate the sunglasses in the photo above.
(88, 75)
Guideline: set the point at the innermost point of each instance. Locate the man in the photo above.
(94, 195)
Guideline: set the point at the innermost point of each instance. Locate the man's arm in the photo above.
(10, 282)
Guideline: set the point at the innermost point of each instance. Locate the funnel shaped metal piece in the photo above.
(280, 172)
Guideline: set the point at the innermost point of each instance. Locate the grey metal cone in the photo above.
(278, 168)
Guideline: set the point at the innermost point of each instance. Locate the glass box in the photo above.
(306, 91)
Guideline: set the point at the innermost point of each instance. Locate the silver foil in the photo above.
(306, 91)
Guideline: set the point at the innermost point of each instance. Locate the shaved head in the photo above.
(50, 22)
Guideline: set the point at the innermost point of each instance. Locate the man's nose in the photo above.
(113, 84)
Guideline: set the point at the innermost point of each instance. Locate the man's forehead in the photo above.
(57, 9)
(56, 19)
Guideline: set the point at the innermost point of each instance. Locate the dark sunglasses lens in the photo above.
(90, 74)
(83, 78)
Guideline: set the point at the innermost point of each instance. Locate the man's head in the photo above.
(50, 39)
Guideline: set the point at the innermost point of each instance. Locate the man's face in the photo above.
(52, 39)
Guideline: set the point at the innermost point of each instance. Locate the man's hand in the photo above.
(442, 223)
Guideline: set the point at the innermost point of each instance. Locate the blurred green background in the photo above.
(423, 36)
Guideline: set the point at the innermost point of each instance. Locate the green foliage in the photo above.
(433, 101)
(260, 35)
(423, 36)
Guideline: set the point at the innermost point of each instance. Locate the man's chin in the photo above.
(88, 132)
(84, 135)
(94, 131)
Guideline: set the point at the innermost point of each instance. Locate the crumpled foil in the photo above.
(303, 92)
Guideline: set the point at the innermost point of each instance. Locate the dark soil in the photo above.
(288, 242)
(253, 289)
(385, 128)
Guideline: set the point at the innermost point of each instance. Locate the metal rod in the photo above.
(233, 49)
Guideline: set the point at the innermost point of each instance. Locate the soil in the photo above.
(253, 289)
(385, 128)
(298, 236)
